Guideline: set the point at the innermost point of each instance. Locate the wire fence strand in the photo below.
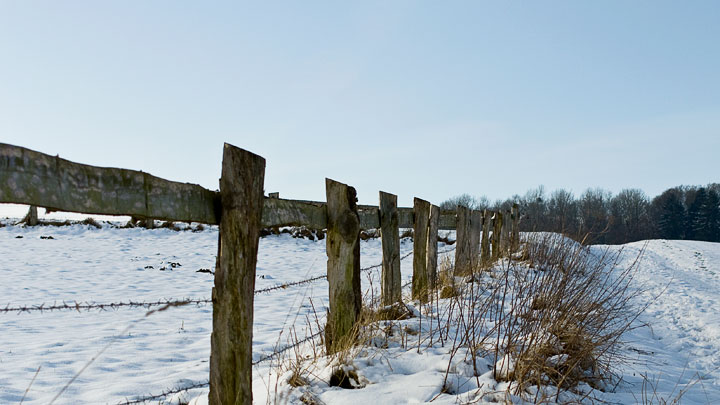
(88, 306)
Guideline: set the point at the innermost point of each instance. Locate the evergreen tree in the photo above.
(672, 217)
(709, 218)
(695, 224)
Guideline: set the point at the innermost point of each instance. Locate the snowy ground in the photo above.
(168, 349)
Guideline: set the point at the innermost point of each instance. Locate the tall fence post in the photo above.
(390, 234)
(343, 265)
(421, 211)
(506, 246)
(462, 238)
(497, 235)
(515, 232)
(475, 234)
(467, 253)
(241, 193)
(485, 250)
(432, 242)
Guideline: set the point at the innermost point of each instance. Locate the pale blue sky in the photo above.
(427, 99)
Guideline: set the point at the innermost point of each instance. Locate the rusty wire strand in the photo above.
(206, 383)
(87, 306)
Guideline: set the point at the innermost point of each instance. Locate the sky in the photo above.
(417, 98)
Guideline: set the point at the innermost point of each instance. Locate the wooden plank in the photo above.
(34, 178)
(343, 265)
(420, 280)
(241, 190)
(448, 220)
(432, 244)
(390, 231)
(280, 212)
(369, 217)
(406, 217)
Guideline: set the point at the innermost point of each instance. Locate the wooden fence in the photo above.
(241, 210)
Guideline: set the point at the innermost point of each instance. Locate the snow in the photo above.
(678, 349)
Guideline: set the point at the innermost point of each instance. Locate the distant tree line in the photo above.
(599, 217)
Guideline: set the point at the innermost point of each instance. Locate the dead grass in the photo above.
(562, 321)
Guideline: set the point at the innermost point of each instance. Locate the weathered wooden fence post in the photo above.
(475, 234)
(390, 234)
(515, 232)
(421, 215)
(497, 232)
(432, 242)
(343, 265)
(241, 193)
(469, 225)
(31, 219)
(462, 238)
(487, 219)
(506, 245)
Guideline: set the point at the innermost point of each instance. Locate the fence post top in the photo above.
(417, 200)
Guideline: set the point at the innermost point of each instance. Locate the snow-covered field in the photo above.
(145, 355)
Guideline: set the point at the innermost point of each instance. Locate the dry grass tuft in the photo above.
(92, 222)
(561, 322)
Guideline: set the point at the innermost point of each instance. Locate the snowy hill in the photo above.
(142, 355)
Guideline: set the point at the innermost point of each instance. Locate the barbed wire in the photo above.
(206, 383)
(87, 306)
(166, 393)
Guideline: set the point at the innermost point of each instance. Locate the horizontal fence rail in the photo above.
(34, 178)
(37, 179)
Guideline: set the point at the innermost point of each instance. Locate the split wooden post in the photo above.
(496, 238)
(485, 249)
(432, 242)
(390, 233)
(343, 265)
(515, 232)
(241, 193)
(420, 285)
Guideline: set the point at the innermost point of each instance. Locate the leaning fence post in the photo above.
(486, 237)
(432, 241)
(515, 232)
(390, 234)
(241, 193)
(343, 265)
(421, 211)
